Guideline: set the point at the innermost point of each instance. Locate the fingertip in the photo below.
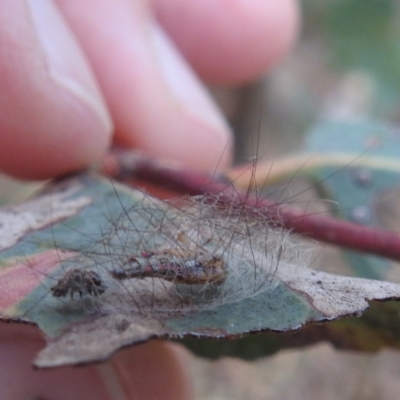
(192, 142)
(19, 345)
(234, 42)
(46, 152)
(50, 152)
(155, 370)
(53, 117)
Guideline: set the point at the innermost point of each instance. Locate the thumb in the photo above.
(49, 98)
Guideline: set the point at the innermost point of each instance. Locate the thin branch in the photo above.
(124, 165)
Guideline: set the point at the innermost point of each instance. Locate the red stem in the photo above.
(123, 165)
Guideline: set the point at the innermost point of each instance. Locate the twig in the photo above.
(124, 165)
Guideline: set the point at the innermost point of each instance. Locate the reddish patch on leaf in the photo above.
(18, 279)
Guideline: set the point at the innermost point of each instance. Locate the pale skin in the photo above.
(76, 76)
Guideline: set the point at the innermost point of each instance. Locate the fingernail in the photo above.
(185, 86)
(66, 63)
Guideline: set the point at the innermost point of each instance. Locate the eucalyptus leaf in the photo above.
(80, 231)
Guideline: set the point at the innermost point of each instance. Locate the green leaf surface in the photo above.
(357, 188)
(377, 328)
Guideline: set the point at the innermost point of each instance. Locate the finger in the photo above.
(157, 103)
(230, 42)
(154, 370)
(19, 345)
(50, 103)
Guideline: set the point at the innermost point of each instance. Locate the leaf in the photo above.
(357, 189)
(377, 328)
(87, 224)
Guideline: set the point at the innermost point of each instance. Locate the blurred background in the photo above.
(346, 65)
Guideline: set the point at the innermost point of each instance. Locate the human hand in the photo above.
(74, 73)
